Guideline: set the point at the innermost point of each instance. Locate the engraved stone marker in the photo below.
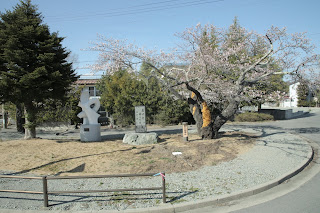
(141, 136)
(140, 119)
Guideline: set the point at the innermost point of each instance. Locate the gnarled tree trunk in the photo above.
(225, 115)
(201, 114)
(209, 123)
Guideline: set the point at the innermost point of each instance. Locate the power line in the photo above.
(120, 8)
(146, 8)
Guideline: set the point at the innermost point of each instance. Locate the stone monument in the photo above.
(140, 119)
(90, 129)
(141, 136)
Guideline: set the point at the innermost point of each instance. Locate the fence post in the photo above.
(45, 191)
(164, 188)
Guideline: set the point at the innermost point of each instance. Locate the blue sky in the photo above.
(152, 23)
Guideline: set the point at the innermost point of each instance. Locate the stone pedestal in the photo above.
(141, 138)
(90, 132)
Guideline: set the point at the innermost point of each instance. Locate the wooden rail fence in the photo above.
(46, 193)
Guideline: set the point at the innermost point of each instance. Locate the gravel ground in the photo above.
(275, 154)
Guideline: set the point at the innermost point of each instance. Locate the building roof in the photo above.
(87, 81)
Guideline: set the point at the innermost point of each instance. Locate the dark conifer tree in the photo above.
(33, 65)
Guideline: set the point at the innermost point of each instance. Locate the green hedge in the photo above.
(252, 117)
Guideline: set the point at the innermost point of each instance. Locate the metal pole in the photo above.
(45, 191)
(164, 188)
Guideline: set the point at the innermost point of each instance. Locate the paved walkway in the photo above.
(301, 193)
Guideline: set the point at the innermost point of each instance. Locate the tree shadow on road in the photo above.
(290, 147)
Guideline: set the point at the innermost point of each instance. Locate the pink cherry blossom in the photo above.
(221, 66)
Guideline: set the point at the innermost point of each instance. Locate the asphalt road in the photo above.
(299, 194)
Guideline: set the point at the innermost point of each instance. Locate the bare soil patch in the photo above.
(54, 157)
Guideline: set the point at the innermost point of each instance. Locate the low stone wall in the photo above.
(282, 114)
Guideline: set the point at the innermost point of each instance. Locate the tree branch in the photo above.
(173, 91)
(241, 79)
(196, 92)
(164, 83)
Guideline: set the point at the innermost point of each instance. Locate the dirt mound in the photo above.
(54, 157)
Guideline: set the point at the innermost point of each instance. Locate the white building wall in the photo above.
(294, 94)
(292, 101)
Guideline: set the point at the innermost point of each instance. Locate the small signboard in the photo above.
(140, 118)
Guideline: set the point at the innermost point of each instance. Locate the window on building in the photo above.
(91, 91)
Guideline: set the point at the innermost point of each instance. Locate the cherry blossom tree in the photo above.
(215, 69)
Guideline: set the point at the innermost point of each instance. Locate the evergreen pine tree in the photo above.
(303, 92)
(33, 64)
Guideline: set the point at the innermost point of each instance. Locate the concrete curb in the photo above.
(209, 201)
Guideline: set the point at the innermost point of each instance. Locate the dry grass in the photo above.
(52, 157)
